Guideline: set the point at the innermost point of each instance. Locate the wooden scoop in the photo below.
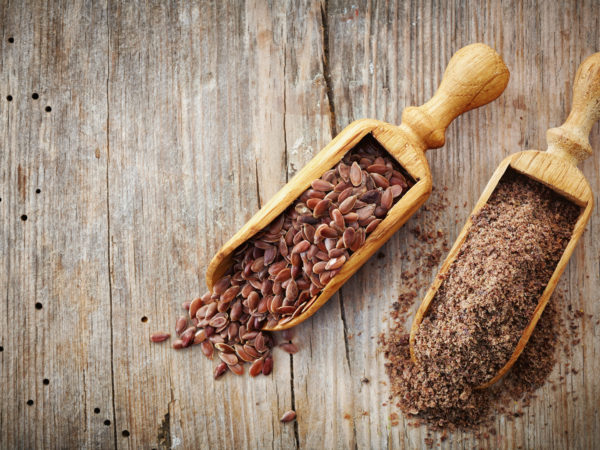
(476, 75)
(556, 168)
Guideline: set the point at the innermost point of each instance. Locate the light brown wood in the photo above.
(555, 168)
(179, 183)
(475, 76)
(210, 107)
(57, 256)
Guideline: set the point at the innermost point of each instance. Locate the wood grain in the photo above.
(58, 256)
(171, 124)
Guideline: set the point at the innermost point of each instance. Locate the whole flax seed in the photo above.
(279, 273)
(288, 416)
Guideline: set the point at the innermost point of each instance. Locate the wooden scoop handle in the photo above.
(571, 139)
(475, 75)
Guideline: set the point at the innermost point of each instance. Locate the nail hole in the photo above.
(125, 433)
(144, 319)
(48, 109)
(96, 410)
(37, 191)
(107, 422)
(35, 96)
(11, 39)
(9, 98)
(38, 305)
(30, 402)
(24, 217)
(46, 381)
(1, 348)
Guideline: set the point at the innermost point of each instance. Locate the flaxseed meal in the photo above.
(481, 309)
(492, 288)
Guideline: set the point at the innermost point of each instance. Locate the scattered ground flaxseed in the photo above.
(413, 386)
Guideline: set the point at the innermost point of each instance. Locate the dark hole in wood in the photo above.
(48, 109)
(24, 217)
(38, 305)
(37, 191)
(144, 319)
(11, 40)
(107, 422)
(125, 433)
(30, 402)
(9, 98)
(1, 348)
(46, 381)
(35, 96)
(96, 410)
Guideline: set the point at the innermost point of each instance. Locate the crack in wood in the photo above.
(85, 417)
(110, 296)
(345, 326)
(285, 145)
(257, 184)
(296, 435)
(326, 70)
(164, 431)
(285, 153)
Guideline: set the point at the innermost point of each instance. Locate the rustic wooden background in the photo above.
(171, 123)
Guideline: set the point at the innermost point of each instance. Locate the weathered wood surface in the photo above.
(171, 123)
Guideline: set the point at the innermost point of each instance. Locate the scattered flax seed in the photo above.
(159, 337)
(288, 416)
(439, 393)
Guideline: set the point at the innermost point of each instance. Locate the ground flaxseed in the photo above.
(479, 313)
(492, 288)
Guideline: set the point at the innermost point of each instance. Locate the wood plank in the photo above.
(58, 256)
(397, 53)
(207, 104)
(318, 368)
(185, 168)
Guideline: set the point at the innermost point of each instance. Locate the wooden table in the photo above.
(170, 124)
